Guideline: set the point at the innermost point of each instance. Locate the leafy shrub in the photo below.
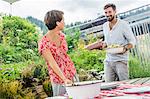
(88, 60)
(18, 41)
(72, 40)
(19, 80)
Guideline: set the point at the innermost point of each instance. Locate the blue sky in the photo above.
(75, 10)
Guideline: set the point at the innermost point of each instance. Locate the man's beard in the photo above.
(110, 19)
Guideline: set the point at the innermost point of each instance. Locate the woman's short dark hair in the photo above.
(52, 17)
(110, 5)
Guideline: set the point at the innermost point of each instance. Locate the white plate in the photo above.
(114, 50)
(137, 90)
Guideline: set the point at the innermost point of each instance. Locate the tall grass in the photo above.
(137, 69)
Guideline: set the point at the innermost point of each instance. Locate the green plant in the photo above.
(47, 87)
(72, 40)
(12, 71)
(17, 80)
(18, 40)
(136, 69)
(87, 60)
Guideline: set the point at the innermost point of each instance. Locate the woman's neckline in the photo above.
(53, 42)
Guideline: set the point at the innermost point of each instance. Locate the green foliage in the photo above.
(137, 70)
(72, 39)
(20, 79)
(24, 69)
(47, 87)
(1, 25)
(9, 89)
(18, 40)
(12, 71)
(14, 90)
(88, 60)
(81, 57)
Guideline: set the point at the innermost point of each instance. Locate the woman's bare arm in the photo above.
(47, 55)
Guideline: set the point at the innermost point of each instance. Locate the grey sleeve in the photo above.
(129, 34)
(104, 26)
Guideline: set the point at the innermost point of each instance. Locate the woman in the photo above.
(53, 48)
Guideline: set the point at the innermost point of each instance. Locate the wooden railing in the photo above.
(141, 30)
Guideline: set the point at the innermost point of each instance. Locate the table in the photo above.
(118, 93)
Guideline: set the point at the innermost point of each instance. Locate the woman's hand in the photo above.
(68, 82)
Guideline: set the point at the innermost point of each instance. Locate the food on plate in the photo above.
(114, 49)
(113, 46)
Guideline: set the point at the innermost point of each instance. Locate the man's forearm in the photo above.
(96, 45)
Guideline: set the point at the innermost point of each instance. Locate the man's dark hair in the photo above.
(52, 17)
(110, 5)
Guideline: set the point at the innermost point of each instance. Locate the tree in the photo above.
(38, 23)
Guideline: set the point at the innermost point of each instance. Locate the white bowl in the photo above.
(84, 90)
(114, 50)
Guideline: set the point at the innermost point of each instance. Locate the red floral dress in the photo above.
(61, 58)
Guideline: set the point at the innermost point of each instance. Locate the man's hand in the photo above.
(125, 49)
(103, 45)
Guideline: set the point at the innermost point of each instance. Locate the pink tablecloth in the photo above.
(108, 94)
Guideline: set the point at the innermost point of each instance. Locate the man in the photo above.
(116, 32)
